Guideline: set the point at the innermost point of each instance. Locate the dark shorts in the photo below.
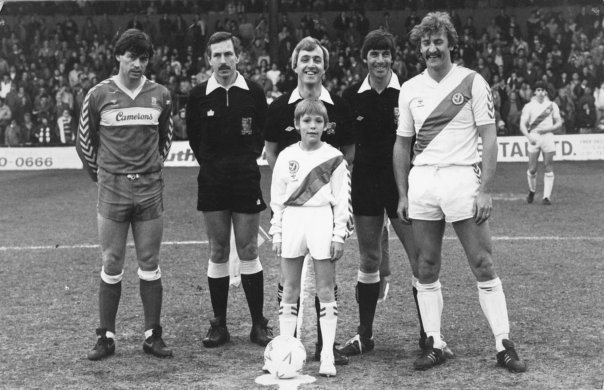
(373, 191)
(237, 192)
(130, 197)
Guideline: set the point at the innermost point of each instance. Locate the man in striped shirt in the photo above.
(447, 107)
(124, 135)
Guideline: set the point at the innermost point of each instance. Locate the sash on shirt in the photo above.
(314, 181)
(548, 110)
(444, 113)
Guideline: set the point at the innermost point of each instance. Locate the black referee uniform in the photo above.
(225, 133)
(280, 121)
(376, 119)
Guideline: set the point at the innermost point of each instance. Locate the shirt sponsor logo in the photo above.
(289, 128)
(246, 126)
(121, 117)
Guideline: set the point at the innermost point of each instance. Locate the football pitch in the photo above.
(550, 259)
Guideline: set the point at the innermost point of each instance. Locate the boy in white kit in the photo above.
(310, 199)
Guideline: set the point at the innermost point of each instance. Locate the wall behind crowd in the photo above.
(48, 63)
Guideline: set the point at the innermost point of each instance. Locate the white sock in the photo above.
(430, 301)
(548, 184)
(250, 267)
(532, 181)
(492, 302)
(368, 278)
(329, 323)
(148, 333)
(218, 270)
(288, 318)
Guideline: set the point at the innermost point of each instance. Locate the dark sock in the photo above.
(318, 310)
(253, 285)
(109, 301)
(219, 295)
(279, 293)
(367, 296)
(422, 333)
(152, 295)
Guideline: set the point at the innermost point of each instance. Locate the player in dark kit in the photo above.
(225, 116)
(124, 136)
(309, 60)
(375, 106)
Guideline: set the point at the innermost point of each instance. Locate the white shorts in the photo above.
(448, 193)
(307, 229)
(545, 143)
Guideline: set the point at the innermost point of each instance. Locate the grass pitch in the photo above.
(549, 258)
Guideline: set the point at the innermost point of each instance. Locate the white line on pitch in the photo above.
(205, 242)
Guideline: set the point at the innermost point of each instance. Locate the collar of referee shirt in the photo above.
(213, 84)
(296, 97)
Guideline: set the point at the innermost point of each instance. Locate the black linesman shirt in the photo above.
(224, 127)
(376, 120)
(280, 120)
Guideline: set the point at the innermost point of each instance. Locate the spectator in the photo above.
(5, 86)
(29, 130)
(13, 135)
(179, 125)
(66, 128)
(586, 115)
(510, 113)
(567, 109)
(599, 101)
(5, 118)
(274, 73)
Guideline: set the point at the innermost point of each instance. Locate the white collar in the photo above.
(325, 96)
(392, 84)
(132, 94)
(213, 83)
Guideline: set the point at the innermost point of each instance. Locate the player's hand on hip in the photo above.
(402, 210)
(337, 250)
(277, 248)
(483, 207)
(532, 139)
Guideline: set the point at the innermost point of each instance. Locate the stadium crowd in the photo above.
(46, 70)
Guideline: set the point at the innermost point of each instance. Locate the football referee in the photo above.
(225, 116)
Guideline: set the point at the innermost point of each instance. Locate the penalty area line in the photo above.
(205, 242)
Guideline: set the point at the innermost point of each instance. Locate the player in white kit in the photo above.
(448, 107)
(310, 199)
(540, 119)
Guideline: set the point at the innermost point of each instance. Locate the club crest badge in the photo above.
(330, 128)
(293, 169)
(457, 99)
(210, 112)
(246, 126)
(396, 115)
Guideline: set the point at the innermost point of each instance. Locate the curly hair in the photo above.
(434, 23)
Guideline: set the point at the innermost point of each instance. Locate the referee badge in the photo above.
(246, 126)
(396, 115)
(330, 128)
(457, 99)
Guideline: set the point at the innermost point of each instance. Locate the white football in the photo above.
(284, 357)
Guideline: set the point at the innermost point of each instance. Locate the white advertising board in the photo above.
(576, 147)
